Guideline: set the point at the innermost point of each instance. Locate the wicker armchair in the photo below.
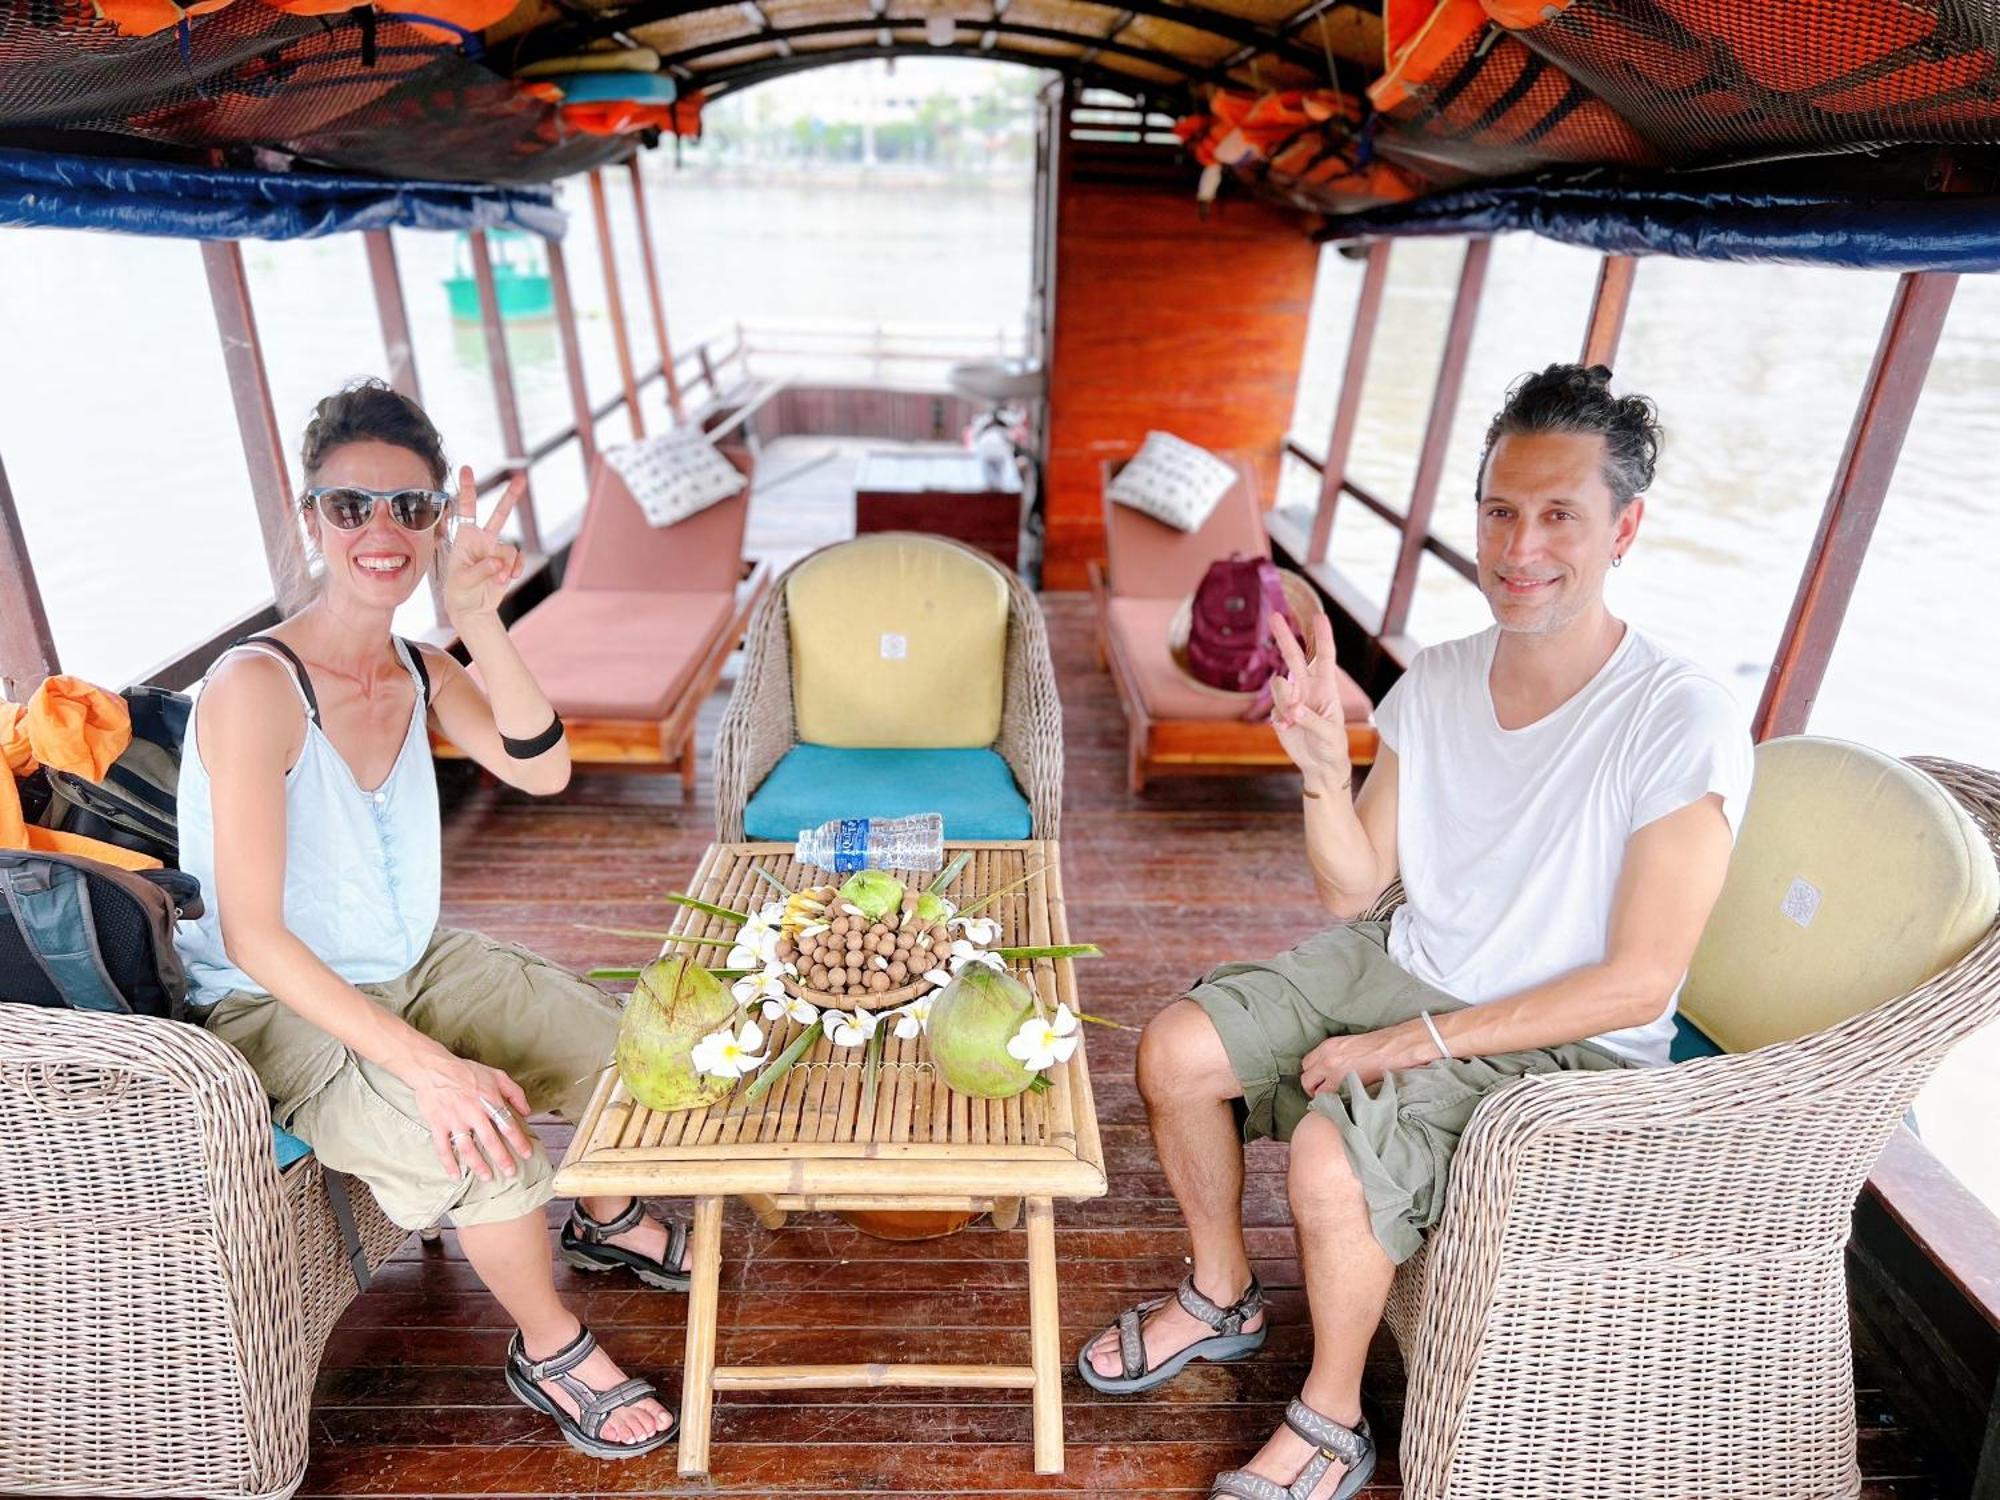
(1637, 1288)
(165, 1293)
(758, 728)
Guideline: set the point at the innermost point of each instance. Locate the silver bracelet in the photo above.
(1444, 1052)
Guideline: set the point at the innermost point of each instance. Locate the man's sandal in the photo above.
(1229, 1341)
(1333, 1444)
(584, 1431)
(586, 1245)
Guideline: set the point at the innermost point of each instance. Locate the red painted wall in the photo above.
(1164, 319)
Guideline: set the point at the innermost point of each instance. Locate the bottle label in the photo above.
(850, 846)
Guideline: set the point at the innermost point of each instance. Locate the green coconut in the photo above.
(674, 1005)
(873, 893)
(972, 1020)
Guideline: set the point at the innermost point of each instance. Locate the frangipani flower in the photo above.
(757, 939)
(1042, 1043)
(785, 1005)
(982, 932)
(850, 1028)
(963, 953)
(767, 985)
(914, 1019)
(726, 1054)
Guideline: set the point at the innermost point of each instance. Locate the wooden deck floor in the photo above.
(410, 1401)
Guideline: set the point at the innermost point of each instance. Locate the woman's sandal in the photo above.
(584, 1431)
(1335, 1444)
(1229, 1341)
(586, 1245)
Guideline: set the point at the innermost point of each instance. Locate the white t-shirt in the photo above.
(1509, 841)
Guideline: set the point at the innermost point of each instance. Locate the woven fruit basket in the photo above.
(850, 959)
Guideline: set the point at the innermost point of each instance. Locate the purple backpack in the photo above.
(1230, 645)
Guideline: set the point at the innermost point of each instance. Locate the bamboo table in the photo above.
(808, 1145)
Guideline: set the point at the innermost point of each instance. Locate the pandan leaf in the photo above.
(948, 874)
(769, 879)
(990, 896)
(611, 974)
(681, 899)
(1056, 950)
(658, 937)
(781, 1064)
(872, 1071)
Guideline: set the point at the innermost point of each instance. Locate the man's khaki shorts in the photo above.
(494, 1003)
(1400, 1135)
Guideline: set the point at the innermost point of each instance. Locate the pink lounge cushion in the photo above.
(1149, 559)
(1141, 627)
(616, 548)
(619, 654)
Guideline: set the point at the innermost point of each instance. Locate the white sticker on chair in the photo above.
(1801, 902)
(895, 647)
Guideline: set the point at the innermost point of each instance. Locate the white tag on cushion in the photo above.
(675, 475)
(1173, 480)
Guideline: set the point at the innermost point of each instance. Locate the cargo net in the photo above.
(1719, 80)
(356, 90)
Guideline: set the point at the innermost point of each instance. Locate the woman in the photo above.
(406, 1054)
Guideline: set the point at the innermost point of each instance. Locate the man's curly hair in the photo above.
(1577, 398)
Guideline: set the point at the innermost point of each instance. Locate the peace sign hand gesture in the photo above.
(1305, 706)
(478, 565)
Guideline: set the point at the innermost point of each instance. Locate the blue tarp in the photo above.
(215, 203)
(1938, 233)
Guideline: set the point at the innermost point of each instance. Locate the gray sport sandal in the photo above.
(1334, 1444)
(584, 1431)
(586, 1245)
(1229, 1341)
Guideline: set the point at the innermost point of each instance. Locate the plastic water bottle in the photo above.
(844, 845)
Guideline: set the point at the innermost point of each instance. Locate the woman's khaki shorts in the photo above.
(1401, 1135)
(495, 1003)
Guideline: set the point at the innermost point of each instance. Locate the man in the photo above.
(1559, 797)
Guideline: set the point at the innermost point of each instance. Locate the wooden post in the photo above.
(620, 339)
(393, 314)
(698, 1367)
(1347, 410)
(1607, 309)
(27, 648)
(1437, 433)
(658, 302)
(256, 423)
(503, 387)
(765, 1207)
(572, 350)
(1881, 421)
(1045, 1336)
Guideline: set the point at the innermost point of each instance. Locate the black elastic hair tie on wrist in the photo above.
(539, 744)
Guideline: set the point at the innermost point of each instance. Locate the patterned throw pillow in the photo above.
(1173, 481)
(674, 475)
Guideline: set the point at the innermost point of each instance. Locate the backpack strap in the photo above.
(271, 646)
(50, 904)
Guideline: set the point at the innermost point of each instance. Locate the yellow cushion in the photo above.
(1855, 879)
(898, 642)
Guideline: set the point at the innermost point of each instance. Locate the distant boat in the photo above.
(520, 277)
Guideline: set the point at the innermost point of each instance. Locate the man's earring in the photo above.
(1617, 558)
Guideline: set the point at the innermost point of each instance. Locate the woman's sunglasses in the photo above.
(349, 508)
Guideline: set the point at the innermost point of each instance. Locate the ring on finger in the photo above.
(460, 1135)
(503, 1114)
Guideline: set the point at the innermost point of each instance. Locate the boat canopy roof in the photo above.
(1383, 116)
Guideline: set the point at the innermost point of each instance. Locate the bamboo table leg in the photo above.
(698, 1376)
(1044, 1336)
(766, 1209)
(1006, 1212)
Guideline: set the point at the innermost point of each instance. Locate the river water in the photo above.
(119, 439)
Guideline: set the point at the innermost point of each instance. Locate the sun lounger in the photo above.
(1176, 726)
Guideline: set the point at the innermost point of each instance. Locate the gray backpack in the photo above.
(135, 806)
(78, 934)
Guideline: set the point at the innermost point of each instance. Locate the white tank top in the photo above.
(362, 867)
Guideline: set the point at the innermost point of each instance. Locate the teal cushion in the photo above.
(972, 788)
(290, 1147)
(1690, 1041)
